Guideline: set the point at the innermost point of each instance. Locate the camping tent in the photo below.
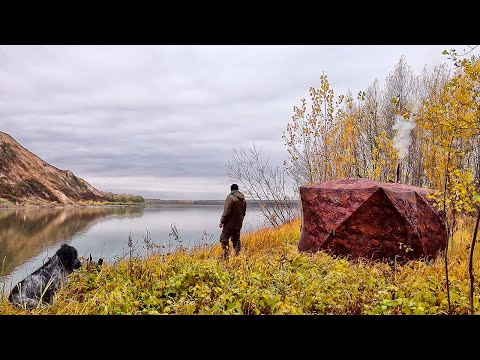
(371, 219)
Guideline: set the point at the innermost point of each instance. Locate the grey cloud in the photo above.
(172, 112)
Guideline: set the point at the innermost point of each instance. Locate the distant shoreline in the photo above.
(159, 202)
(147, 203)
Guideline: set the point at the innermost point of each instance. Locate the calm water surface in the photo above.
(29, 236)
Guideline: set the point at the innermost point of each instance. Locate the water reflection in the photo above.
(26, 232)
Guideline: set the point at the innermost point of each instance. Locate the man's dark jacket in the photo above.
(234, 211)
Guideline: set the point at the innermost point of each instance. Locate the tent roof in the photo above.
(403, 197)
(359, 183)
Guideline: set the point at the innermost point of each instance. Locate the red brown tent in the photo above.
(372, 219)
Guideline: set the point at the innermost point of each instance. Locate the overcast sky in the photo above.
(161, 121)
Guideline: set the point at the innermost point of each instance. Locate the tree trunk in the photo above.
(470, 266)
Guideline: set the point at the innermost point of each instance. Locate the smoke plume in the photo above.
(403, 137)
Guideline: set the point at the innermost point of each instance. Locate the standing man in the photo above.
(234, 211)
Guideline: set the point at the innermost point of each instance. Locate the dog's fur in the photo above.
(41, 285)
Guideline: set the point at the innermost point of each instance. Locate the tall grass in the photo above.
(269, 276)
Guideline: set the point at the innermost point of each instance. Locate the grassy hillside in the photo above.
(269, 277)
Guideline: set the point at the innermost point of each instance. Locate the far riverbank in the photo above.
(147, 203)
(252, 203)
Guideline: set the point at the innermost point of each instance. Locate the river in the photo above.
(29, 236)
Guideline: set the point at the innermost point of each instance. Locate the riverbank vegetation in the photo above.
(123, 198)
(270, 276)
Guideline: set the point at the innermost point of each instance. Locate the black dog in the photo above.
(42, 284)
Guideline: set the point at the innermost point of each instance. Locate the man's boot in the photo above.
(226, 250)
(237, 248)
